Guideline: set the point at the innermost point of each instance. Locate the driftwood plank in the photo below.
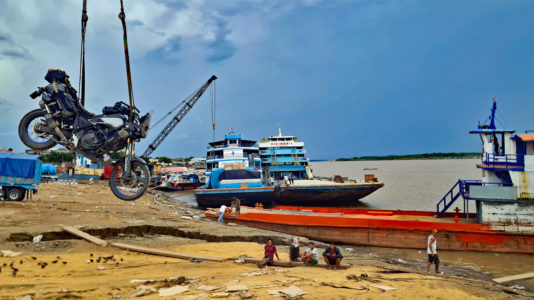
(165, 252)
(85, 236)
(514, 277)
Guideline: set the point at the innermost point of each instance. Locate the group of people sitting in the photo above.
(331, 255)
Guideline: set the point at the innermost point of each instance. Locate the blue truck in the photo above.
(20, 174)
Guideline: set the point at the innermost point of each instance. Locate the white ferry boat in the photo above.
(284, 157)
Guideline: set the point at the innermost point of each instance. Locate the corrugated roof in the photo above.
(526, 137)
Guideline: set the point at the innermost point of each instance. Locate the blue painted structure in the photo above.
(232, 150)
(245, 184)
(504, 195)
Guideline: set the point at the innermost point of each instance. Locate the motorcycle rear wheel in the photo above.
(32, 138)
(132, 187)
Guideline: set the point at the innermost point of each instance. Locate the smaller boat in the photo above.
(178, 179)
(225, 183)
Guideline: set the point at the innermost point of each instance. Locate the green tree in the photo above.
(117, 155)
(57, 157)
(164, 159)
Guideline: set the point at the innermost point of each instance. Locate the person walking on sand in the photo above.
(237, 203)
(294, 250)
(270, 252)
(431, 250)
(332, 256)
(311, 256)
(222, 210)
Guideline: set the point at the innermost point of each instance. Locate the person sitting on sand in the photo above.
(294, 250)
(332, 256)
(431, 250)
(222, 210)
(270, 252)
(311, 256)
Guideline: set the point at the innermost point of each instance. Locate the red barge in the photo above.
(383, 228)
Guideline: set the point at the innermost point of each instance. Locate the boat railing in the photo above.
(460, 189)
(506, 160)
(465, 184)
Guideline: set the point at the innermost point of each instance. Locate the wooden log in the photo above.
(165, 252)
(514, 277)
(278, 263)
(282, 263)
(85, 236)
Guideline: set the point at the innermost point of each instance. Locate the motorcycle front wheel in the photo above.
(29, 134)
(131, 186)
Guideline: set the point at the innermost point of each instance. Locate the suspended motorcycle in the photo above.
(62, 119)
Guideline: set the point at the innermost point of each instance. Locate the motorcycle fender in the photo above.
(135, 158)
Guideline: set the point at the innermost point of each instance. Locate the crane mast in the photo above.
(178, 117)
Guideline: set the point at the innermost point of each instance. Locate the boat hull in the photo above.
(375, 231)
(325, 195)
(248, 196)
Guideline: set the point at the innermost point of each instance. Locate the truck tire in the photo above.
(14, 194)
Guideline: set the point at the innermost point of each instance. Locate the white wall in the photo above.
(508, 217)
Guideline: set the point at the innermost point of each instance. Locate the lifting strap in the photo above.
(122, 17)
(81, 82)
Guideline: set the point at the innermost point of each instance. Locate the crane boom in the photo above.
(178, 117)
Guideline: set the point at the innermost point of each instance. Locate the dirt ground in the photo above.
(76, 269)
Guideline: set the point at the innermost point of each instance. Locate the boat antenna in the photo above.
(493, 109)
(279, 130)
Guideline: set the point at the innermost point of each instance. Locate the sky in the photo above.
(348, 78)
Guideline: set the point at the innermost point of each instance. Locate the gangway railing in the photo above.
(460, 189)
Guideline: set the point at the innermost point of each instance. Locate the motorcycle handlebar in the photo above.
(37, 93)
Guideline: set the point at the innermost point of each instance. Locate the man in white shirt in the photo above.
(311, 256)
(431, 250)
(222, 210)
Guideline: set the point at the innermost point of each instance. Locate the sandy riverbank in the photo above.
(159, 224)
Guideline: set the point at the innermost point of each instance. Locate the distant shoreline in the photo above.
(436, 155)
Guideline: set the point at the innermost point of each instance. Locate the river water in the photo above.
(418, 185)
(408, 184)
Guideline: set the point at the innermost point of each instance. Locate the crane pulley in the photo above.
(187, 104)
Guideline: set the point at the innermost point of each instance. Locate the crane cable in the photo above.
(175, 108)
(213, 98)
(81, 81)
(122, 17)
